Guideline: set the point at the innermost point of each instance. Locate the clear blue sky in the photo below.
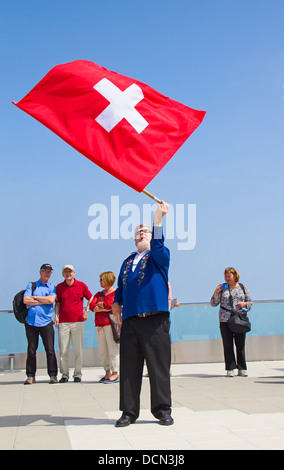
(220, 56)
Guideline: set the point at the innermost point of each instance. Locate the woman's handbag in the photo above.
(115, 327)
(238, 321)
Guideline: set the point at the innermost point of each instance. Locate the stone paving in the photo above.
(211, 412)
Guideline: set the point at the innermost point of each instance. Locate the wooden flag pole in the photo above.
(151, 196)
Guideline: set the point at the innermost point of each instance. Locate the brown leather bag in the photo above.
(115, 327)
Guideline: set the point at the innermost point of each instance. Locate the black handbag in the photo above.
(238, 321)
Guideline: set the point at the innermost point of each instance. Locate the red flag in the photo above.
(124, 126)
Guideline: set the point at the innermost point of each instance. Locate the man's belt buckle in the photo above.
(143, 315)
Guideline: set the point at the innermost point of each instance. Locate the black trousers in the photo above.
(47, 335)
(145, 339)
(229, 338)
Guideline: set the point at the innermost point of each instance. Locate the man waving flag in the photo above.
(124, 126)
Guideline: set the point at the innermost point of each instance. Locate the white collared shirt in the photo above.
(137, 258)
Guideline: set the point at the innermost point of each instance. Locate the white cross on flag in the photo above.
(122, 105)
(124, 126)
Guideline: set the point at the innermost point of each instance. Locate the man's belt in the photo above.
(149, 314)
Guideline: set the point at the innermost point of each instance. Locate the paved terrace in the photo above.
(210, 410)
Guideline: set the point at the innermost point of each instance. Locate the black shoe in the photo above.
(166, 420)
(77, 379)
(63, 380)
(124, 420)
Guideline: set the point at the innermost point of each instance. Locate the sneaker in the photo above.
(77, 379)
(108, 381)
(63, 380)
(101, 381)
(230, 373)
(242, 373)
(30, 380)
(53, 380)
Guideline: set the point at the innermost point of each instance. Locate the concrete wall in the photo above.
(258, 348)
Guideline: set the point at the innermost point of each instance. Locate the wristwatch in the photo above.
(35, 297)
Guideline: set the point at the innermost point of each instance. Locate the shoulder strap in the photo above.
(101, 296)
(231, 299)
(33, 287)
(243, 289)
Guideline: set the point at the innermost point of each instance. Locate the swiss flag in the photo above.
(124, 126)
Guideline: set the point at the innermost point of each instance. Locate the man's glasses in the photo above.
(144, 230)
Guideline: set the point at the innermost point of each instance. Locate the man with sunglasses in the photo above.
(141, 304)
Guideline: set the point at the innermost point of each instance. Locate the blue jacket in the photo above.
(145, 289)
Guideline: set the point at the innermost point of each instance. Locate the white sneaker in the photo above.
(230, 373)
(242, 373)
